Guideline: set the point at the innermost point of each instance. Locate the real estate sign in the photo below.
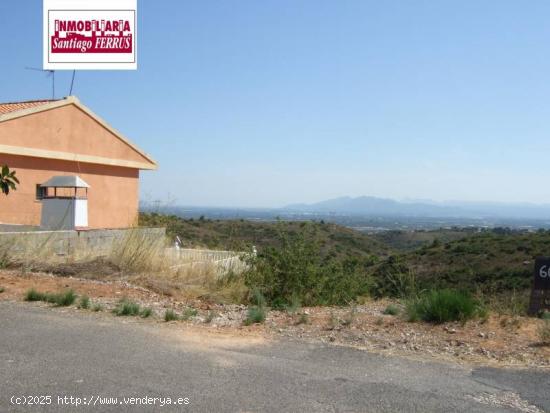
(540, 295)
(90, 34)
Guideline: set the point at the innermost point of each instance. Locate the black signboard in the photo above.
(540, 296)
(542, 274)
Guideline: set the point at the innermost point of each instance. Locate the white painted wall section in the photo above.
(64, 213)
(81, 213)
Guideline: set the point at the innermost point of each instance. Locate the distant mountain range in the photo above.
(373, 206)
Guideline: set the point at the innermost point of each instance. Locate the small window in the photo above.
(40, 192)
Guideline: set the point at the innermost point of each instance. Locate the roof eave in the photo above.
(74, 157)
(73, 100)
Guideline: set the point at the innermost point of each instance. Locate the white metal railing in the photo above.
(223, 261)
(192, 254)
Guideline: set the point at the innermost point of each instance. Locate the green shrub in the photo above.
(126, 308)
(255, 315)
(545, 315)
(294, 305)
(84, 302)
(391, 310)
(440, 306)
(33, 295)
(146, 312)
(395, 279)
(2, 289)
(188, 313)
(297, 270)
(170, 315)
(61, 299)
(257, 298)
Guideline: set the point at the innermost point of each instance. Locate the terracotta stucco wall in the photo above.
(66, 129)
(112, 197)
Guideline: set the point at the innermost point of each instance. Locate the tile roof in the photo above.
(15, 106)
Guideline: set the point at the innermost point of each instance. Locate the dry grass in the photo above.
(512, 303)
(196, 281)
(136, 257)
(24, 250)
(136, 252)
(146, 259)
(544, 332)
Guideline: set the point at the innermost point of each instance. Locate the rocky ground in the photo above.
(499, 340)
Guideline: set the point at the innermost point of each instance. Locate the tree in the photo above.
(8, 180)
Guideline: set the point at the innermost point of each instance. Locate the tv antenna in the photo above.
(49, 73)
(72, 83)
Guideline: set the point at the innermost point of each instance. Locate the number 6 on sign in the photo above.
(540, 294)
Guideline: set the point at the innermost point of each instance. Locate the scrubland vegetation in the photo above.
(438, 299)
(241, 235)
(298, 269)
(455, 276)
(438, 275)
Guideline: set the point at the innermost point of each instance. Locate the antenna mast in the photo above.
(72, 83)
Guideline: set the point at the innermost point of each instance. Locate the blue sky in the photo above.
(265, 103)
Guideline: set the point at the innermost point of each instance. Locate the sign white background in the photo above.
(89, 10)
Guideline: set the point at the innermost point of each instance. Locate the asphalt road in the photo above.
(59, 352)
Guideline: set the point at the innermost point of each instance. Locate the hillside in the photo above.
(411, 240)
(242, 235)
(491, 262)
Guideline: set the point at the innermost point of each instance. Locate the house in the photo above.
(43, 139)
